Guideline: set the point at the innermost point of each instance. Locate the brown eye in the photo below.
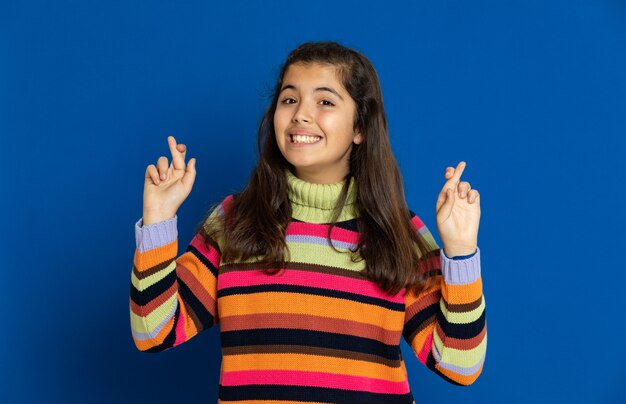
(288, 101)
(327, 103)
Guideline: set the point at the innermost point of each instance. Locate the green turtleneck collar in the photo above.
(314, 203)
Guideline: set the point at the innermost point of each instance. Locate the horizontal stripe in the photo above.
(461, 367)
(307, 278)
(459, 308)
(461, 294)
(313, 379)
(463, 344)
(310, 350)
(323, 241)
(328, 364)
(461, 331)
(302, 266)
(461, 317)
(151, 258)
(309, 322)
(463, 358)
(297, 303)
(305, 393)
(282, 336)
(321, 231)
(355, 297)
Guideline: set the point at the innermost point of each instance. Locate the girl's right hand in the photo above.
(166, 188)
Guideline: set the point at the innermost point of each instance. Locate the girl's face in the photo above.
(314, 122)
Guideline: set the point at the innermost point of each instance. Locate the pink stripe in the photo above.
(315, 379)
(212, 255)
(417, 222)
(320, 230)
(180, 329)
(306, 278)
(423, 355)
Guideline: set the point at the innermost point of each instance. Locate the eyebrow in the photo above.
(322, 88)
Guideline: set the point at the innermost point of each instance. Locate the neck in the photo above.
(315, 202)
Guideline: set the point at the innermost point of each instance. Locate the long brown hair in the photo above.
(255, 223)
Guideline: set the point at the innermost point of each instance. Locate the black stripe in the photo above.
(461, 331)
(205, 317)
(202, 259)
(350, 224)
(418, 319)
(310, 394)
(153, 291)
(242, 290)
(285, 336)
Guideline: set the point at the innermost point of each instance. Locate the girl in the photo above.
(317, 268)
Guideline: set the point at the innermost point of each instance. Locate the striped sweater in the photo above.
(318, 332)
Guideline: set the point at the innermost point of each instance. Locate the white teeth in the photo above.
(305, 139)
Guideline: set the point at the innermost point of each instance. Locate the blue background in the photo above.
(532, 94)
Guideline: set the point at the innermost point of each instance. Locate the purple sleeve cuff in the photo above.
(156, 234)
(460, 271)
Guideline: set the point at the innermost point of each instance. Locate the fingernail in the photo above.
(462, 194)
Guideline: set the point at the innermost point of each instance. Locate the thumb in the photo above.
(190, 174)
(446, 208)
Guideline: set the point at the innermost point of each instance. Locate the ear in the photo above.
(358, 138)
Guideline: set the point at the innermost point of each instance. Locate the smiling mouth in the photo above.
(296, 139)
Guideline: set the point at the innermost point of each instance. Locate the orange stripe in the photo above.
(148, 259)
(461, 294)
(299, 303)
(273, 361)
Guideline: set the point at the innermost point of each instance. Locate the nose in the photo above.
(302, 114)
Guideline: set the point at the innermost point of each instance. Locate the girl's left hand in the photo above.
(458, 214)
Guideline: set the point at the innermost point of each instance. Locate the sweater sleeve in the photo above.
(445, 324)
(172, 299)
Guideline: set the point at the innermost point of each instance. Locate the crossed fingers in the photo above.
(454, 182)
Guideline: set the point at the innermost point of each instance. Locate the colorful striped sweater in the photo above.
(317, 332)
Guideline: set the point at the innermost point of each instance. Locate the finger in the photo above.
(162, 167)
(178, 159)
(456, 177)
(464, 188)
(449, 172)
(473, 196)
(190, 174)
(151, 172)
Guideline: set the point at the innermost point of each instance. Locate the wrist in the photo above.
(458, 251)
(151, 218)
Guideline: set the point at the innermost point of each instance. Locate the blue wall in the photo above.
(532, 94)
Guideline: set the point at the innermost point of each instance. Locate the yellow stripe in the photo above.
(145, 283)
(465, 317)
(323, 255)
(152, 320)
